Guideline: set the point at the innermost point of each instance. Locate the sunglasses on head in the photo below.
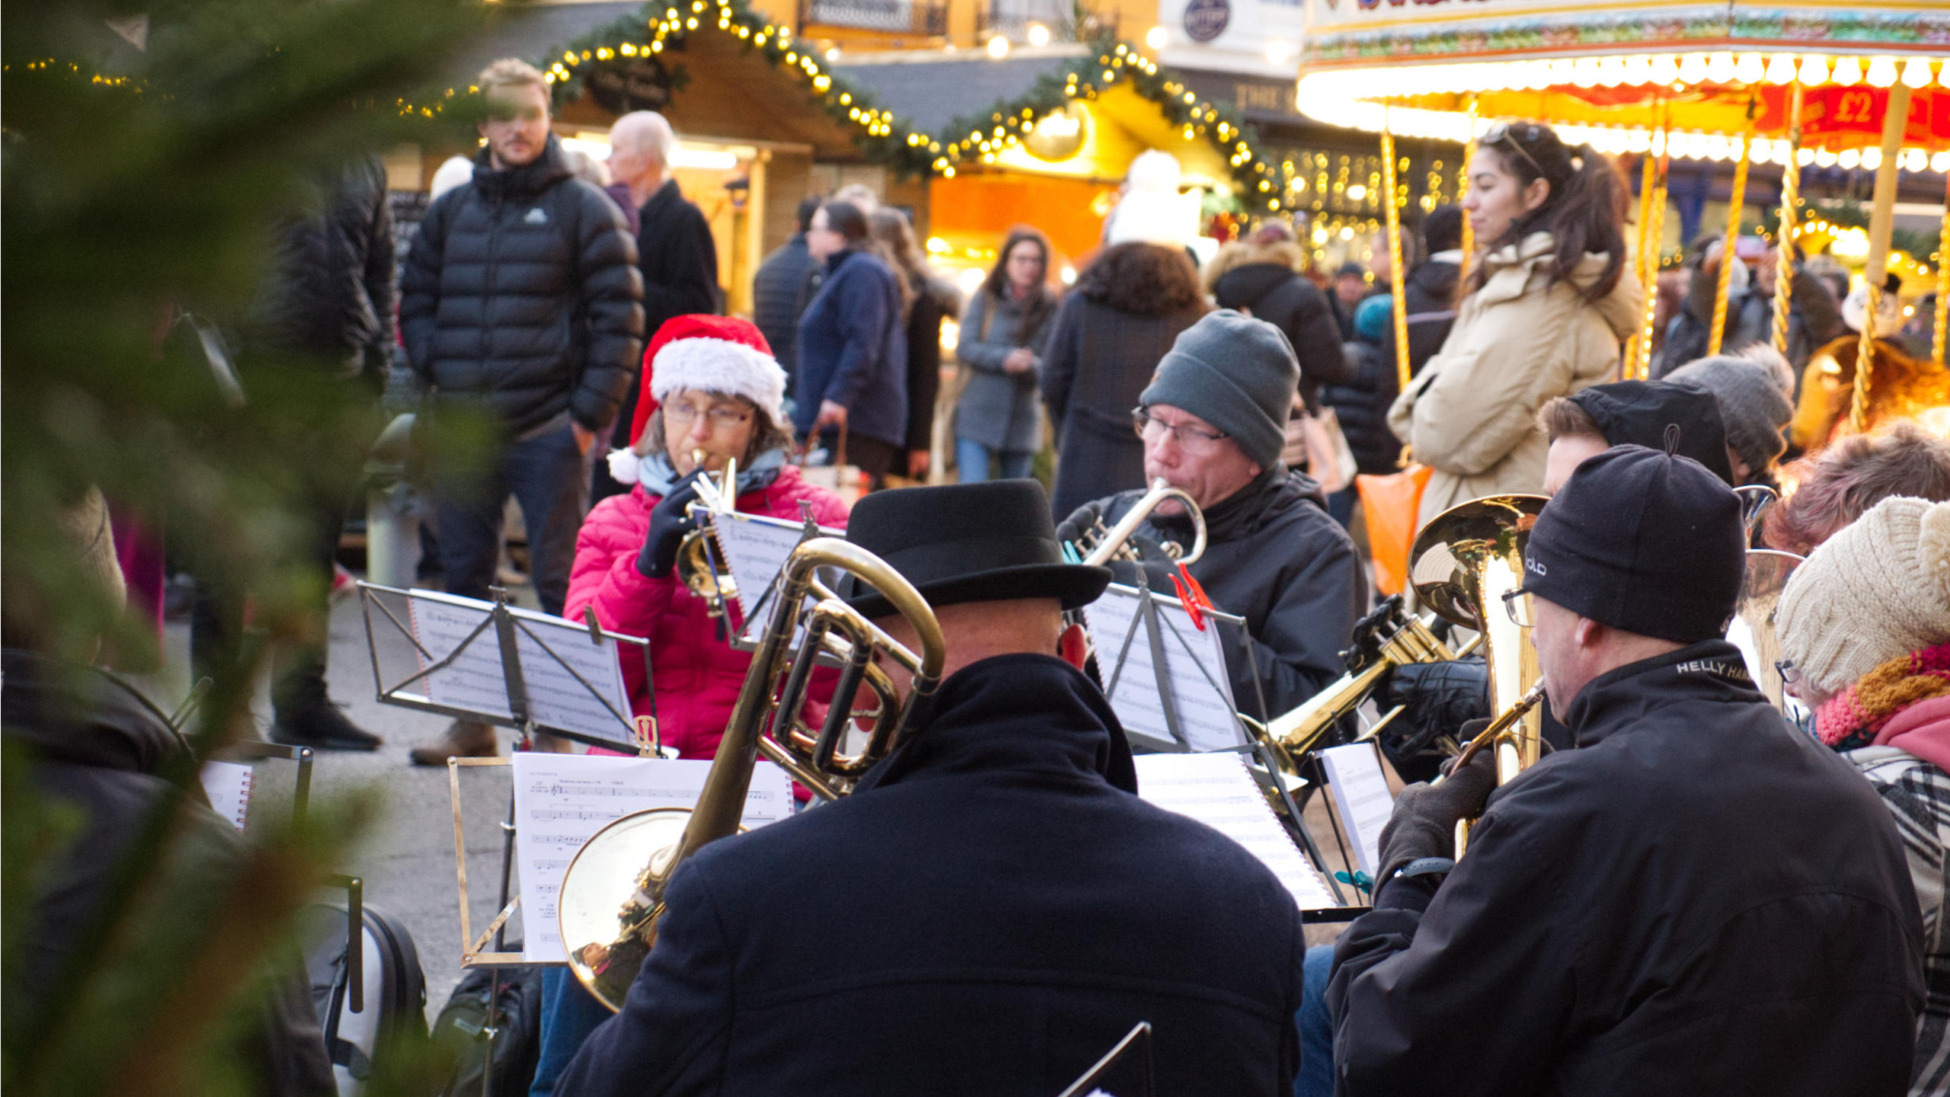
(1513, 135)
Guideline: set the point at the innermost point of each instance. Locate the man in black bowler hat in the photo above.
(993, 908)
(1696, 899)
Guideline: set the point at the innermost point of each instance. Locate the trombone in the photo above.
(613, 892)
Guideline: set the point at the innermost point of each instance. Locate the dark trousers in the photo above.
(549, 478)
(217, 615)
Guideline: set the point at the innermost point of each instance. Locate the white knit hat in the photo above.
(1876, 591)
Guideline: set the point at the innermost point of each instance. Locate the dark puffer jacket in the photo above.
(521, 294)
(332, 287)
(1281, 296)
(1698, 899)
(1274, 556)
(1430, 296)
(1362, 407)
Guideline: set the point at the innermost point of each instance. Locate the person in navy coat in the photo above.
(994, 908)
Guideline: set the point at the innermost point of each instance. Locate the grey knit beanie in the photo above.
(1236, 373)
(1754, 389)
(1876, 591)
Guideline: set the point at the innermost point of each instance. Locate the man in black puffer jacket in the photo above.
(521, 300)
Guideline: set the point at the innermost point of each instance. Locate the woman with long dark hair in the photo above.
(1549, 303)
(1127, 308)
(998, 418)
(931, 300)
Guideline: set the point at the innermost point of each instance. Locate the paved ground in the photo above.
(407, 861)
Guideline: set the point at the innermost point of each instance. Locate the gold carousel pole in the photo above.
(1736, 206)
(1784, 236)
(1942, 281)
(1647, 169)
(1468, 233)
(1392, 206)
(1881, 219)
(1639, 361)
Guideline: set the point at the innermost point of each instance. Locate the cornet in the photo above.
(1105, 545)
(612, 894)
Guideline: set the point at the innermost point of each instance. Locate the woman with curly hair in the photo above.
(1127, 308)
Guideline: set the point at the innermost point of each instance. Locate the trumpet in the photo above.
(613, 893)
(700, 563)
(1104, 545)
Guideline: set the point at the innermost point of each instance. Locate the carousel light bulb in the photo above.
(1916, 74)
(1940, 163)
(1561, 71)
(1849, 159)
(1871, 159)
(1584, 72)
(1665, 69)
(1638, 141)
(1638, 70)
(1611, 71)
(1848, 72)
(1882, 72)
(1720, 68)
(1781, 69)
(1915, 160)
(1692, 68)
(1814, 70)
(1805, 157)
(1748, 68)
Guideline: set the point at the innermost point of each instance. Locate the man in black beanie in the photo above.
(991, 910)
(1696, 899)
(1633, 413)
(1213, 422)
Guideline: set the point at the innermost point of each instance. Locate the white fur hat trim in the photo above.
(722, 366)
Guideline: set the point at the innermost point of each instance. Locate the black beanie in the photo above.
(1643, 541)
(1236, 373)
(1638, 413)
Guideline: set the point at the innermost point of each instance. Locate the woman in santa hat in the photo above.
(715, 389)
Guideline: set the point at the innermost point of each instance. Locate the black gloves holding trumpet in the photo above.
(670, 522)
(1424, 822)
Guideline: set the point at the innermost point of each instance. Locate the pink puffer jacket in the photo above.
(698, 675)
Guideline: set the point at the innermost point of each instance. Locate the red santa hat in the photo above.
(720, 354)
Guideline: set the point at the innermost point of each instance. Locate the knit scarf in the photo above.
(1851, 718)
(656, 475)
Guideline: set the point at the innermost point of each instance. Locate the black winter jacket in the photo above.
(1430, 298)
(332, 285)
(95, 746)
(1698, 899)
(1274, 556)
(987, 915)
(1281, 296)
(1362, 407)
(779, 295)
(680, 275)
(521, 296)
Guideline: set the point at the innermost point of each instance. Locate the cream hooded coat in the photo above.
(1471, 414)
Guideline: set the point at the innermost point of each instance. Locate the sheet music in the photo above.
(228, 785)
(563, 799)
(1203, 695)
(555, 698)
(474, 681)
(1217, 790)
(755, 549)
(1361, 796)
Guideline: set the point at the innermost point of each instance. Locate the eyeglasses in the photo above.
(1506, 134)
(1790, 674)
(1189, 438)
(720, 417)
(1521, 607)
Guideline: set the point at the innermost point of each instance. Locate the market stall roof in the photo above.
(1615, 72)
(933, 88)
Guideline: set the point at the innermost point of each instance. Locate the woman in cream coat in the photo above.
(1549, 305)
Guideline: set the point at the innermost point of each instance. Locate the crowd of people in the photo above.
(1689, 892)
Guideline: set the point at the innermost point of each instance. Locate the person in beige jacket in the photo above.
(1549, 305)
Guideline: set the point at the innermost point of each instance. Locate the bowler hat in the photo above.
(985, 542)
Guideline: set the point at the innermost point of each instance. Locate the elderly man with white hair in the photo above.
(674, 249)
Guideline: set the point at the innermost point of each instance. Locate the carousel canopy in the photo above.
(1619, 74)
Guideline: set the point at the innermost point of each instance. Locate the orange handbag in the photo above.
(1390, 505)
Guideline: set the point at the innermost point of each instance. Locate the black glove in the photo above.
(1152, 574)
(1424, 822)
(1436, 697)
(670, 521)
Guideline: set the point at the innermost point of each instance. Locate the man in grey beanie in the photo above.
(1213, 421)
(1755, 389)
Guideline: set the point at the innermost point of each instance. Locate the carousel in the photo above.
(1789, 83)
